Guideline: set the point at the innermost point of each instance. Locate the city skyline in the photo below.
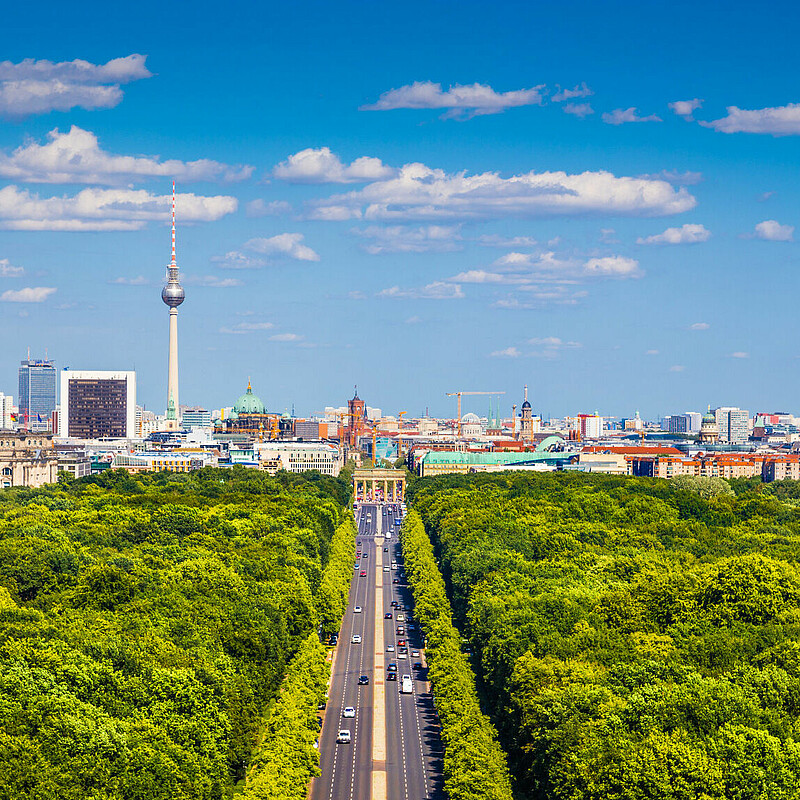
(419, 218)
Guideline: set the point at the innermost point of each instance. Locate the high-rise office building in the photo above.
(6, 410)
(733, 425)
(37, 394)
(97, 404)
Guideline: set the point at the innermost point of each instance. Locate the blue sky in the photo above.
(404, 195)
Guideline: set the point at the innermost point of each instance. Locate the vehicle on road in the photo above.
(386, 569)
(349, 712)
(391, 676)
(343, 737)
(363, 680)
(385, 549)
(401, 654)
(357, 610)
(392, 667)
(387, 615)
(400, 630)
(390, 648)
(415, 654)
(407, 686)
(356, 638)
(394, 580)
(417, 665)
(363, 574)
(400, 618)
(359, 542)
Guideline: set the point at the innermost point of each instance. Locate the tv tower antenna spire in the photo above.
(173, 295)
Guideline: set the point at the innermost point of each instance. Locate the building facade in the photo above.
(97, 404)
(37, 394)
(196, 417)
(732, 424)
(27, 459)
(6, 411)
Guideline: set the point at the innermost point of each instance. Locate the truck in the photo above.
(406, 685)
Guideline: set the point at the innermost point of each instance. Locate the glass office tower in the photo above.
(37, 394)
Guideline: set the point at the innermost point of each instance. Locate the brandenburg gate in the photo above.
(379, 485)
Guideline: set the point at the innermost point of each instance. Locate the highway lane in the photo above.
(407, 725)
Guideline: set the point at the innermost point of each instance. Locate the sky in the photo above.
(598, 200)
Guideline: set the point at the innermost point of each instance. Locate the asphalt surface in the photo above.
(412, 769)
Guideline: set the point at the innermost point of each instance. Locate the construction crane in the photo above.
(458, 395)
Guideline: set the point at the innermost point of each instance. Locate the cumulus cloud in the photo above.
(619, 116)
(613, 267)
(508, 352)
(320, 165)
(740, 354)
(580, 110)
(494, 240)
(39, 86)
(285, 337)
(472, 100)
(772, 230)
(677, 368)
(651, 352)
(406, 239)
(104, 209)
(438, 290)
(686, 234)
(419, 192)
(699, 326)
(582, 90)
(238, 260)
(139, 280)
(685, 108)
(284, 244)
(8, 270)
(242, 328)
(30, 294)
(686, 178)
(258, 208)
(778, 121)
(484, 276)
(75, 157)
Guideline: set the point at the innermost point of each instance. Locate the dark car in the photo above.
(394, 580)
(366, 555)
(392, 667)
(417, 665)
(359, 542)
(363, 680)
(391, 676)
(387, 615)
(393, 604)
(385, 549)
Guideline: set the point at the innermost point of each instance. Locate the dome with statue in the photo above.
(249, 403)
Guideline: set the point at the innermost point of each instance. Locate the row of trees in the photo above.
(633, 637)
(474, 764)
(146, 623)
(286, 758)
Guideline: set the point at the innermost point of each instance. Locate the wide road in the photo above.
(395, 749)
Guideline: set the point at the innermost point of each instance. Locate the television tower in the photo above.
(173, 295)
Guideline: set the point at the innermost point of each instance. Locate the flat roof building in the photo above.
(97, 404)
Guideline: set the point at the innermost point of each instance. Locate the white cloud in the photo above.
(685, 108)
(651, 352)
(677, 368)
(508, 352)
(258, 208)
(483, 276)
(104, 209)
(613, 267)
(286, 244)
(553, 342)
(75, 157)
(494, 240)
(419, 192)
(30, 294)
(238, 260)
(139, 280)
(211, 281)
(320, 165)
(39, 86)
(686, 178)
(242, 328)
(580, 110)
(740, 354)
(778, 121)
(699, 326)
(773, 231)
(472, 100)
(438, 290)
(285, 337)
(413, 320)
(621, 115)
(7, 270)
(581, 90)
(686, 234)
(405, 239)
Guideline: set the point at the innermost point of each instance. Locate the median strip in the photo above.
(379, 695)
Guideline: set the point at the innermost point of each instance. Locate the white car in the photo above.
(343, 737)
(357, 610)
(415, 654)
(349, 712)
(401, 618)
(356, 638)
(402, 655)
(390, 648)
(386, 569)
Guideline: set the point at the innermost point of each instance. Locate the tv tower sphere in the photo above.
(172, 294)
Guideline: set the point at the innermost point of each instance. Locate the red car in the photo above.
(363, 574)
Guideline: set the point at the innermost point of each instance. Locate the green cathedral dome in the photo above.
(249, 403)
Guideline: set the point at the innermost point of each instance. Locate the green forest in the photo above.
(147, 623)
(633, 638)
